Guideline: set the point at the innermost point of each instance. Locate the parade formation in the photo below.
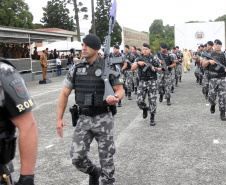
(103, 85)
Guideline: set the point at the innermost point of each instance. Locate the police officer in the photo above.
(138, 50)
(148, 82)
(129, 58)
(116, 53)
(95, 119)
(205, 84)
(43, 63)
(179, 65)
(16, 111)
(165, 80)
(201, 71)
(217, 79)
(135, 72)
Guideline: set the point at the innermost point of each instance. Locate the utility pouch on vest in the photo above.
(7, 149)
(113, 109)
(74, 114)
(88, 99)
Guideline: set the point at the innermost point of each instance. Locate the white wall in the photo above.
(185, 34)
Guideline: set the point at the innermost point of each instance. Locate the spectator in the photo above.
(47, 53)
(58, 54)
(55, 54)
(59, 67)
(35, 54)
(51, 55)
(70, 63)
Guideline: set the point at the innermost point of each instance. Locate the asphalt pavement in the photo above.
(186, 147)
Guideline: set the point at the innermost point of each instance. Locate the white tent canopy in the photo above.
(62, 46)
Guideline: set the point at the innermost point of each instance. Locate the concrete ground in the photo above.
(187, 146)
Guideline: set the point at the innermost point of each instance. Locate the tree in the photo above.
(78, 8)
(157, 27)
(93, 18)
(15, 13)
(102, 23)
(56, 15)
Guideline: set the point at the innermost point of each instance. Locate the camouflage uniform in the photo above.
(148, 85)
(127, 72)
(99, 127)
(14, 102)
(217, 81)
(197, 69)
(135, 74)
(165, 80)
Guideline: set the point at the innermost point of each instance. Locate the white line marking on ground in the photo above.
(46, 92)
(49, 146)
(215, 141)
(207, 104)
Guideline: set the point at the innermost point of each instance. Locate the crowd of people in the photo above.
(14, 51)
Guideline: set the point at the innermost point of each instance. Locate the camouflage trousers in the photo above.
(177, 72)
(197, 71)
(101, 128)
(217, 86)
(9, 168)
(179, 67)
(129, 80)
(147, 87)
(173, 77)
(165, 84)
(135, 78)
(205, 83)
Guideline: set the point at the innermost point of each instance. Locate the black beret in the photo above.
(177, 47)
(146, 45)
(217, 41)
(139, 49)
(210, 43)
(163, 45)
(168, 48)
(174, 48)
(205, 45)
(116, 46)
(92, 41)
(202, 46)
(127, 46)
(135, 47)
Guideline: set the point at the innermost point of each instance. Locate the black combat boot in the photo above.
(135, 90)
(200, 81)
(206, 96)
(212, 109)
(145, 112)
(160, 97)
(129, 96)
(172, 89)
(126, 92)
(152, 120)
(176, 83)
(94, 176)
(223, 118)
(119, 103)
(197, 80)
(180, 79)
(168, 101)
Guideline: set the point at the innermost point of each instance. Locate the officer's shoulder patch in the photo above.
(19, 88)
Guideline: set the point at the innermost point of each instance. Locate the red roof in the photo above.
(50, 29)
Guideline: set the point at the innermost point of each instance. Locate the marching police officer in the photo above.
(116, 53)
(135, 72)
(148, 81)
(180, 59)
(129, 58)
(16, 111)
(217, 79)
(95, 115)
(177, 66)
(164, 79)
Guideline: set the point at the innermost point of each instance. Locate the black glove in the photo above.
(26, 180)
(42, 65)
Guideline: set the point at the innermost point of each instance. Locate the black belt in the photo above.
(147, 78)
(93, 111)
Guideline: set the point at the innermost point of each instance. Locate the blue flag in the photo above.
(113, 14)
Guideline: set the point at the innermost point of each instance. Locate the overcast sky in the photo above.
(139, 14)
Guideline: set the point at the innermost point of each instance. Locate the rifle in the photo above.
(219, 65)
(164, 66)
(106, 72)
(5, 179)
(148, 65)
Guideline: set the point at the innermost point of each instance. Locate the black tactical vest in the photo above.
(129, 56)
(148, 74)
(167, 58)
(89, 87)
(221, 58)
